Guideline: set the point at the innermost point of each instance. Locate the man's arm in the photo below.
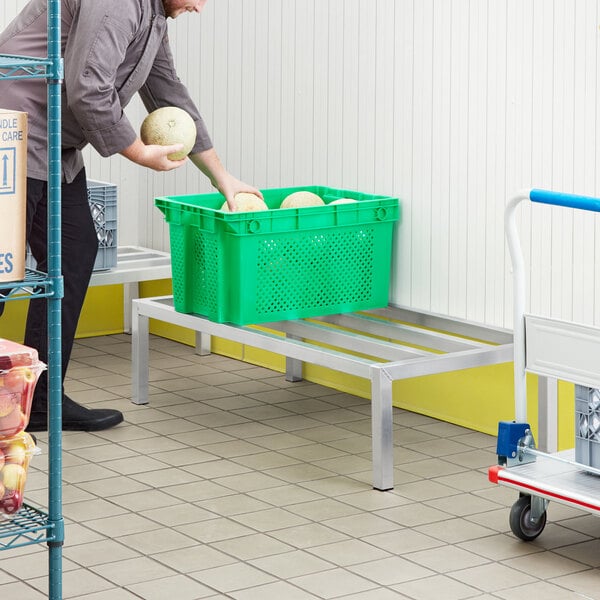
(153, 157)
(164, 88)
(96, 45)
(210, 164)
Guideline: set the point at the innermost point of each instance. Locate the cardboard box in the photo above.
(13, 202)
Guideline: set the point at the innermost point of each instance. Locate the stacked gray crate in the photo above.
(102, 198)
(587, 426)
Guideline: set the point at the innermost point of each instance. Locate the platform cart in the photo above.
(549, 348)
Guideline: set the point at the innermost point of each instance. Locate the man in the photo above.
(112, 50)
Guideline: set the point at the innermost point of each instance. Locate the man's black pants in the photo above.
(79, 248)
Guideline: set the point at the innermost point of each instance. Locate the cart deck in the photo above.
(553, 480)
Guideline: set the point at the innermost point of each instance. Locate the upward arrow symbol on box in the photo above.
(4, 171)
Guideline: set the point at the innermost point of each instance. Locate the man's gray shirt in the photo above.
(112, 49)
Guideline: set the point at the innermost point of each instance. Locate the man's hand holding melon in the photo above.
(166, 137)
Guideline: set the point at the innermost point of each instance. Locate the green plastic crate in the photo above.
(254, 267)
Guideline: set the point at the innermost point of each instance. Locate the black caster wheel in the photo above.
(520, 520)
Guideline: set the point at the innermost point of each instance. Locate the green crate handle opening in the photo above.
(253, 226)
(382, 213)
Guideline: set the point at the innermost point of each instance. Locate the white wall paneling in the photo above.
(452, 105)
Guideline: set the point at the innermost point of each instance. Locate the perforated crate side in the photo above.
(587, 426)
(280, 275)
(102, 198)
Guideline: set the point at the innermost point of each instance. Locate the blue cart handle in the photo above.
(567, 200)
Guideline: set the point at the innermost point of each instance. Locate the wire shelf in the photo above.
(29, 526)
(23, 67)
(35, 285)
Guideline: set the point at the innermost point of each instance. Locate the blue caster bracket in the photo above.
(513, 441)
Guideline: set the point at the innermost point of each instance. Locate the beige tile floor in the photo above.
(233, 483)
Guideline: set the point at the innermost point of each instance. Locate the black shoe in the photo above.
(77, 418)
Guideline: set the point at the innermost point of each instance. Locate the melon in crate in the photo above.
(301, 199)
(244, 202)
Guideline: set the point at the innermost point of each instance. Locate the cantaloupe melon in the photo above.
(300, 199)
(344, 201)
(169, 125)
(245, 201)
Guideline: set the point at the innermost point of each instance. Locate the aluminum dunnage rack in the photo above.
(349, 343)
(549, 348)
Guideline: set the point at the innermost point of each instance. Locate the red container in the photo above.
(20, 369)
(15, 454)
